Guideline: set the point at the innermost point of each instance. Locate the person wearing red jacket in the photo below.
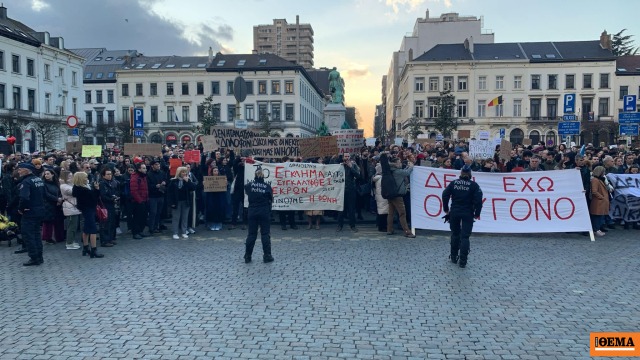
(139, 200)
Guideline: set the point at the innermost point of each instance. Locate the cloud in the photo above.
(355, 70)
(123, 24)
(409, 6)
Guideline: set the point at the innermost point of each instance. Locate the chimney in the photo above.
(605, 40)
(254, 52)
(61, 43)
(297, 19)
(210, 54)
(410, 54)
(3, 12)
(427, 15)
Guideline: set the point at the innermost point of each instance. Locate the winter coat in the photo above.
(51, 196)
(138, 188)
(175, 194)
(400, 176)
(599, 198)
(381, 203)
(69, 205)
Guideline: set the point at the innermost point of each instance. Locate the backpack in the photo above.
(388, 187)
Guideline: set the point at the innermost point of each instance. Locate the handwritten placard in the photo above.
(505, 150)
(349, 140)
(74, 147)
(318, 147)
(214, 183)
(143, 149)
(91, 151)
(526, 142)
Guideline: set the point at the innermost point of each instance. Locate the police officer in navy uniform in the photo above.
(466, 205)
(31, 207)
(260, 198)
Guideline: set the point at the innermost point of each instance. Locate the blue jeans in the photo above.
(597, 221)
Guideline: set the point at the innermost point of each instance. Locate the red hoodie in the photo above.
(139, 188)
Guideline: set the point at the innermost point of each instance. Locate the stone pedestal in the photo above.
(334, 116)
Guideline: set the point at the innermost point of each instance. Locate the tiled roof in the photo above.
(224, 62)
(18, 31)
(167, 63)
(628, 65)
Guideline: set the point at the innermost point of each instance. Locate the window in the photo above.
(47, 72)
(154, 114)
(535, 109)
(185, 114)
(99, 117)
(553, 82)
(535, 82)
(74, 106)
(569, 81)
(482, 107)
(517, 82)
(153, 89)
(249, 112)
(418, 109)
(229, 87)
(262, 87)
(2, 96)
(500, 82)
(288, 112)
(31, 100)
(262, 110)
(47, 103)
(138, 89)
(88, 117)
(624, 91)
(276, 111)
(231, 112)
(604, 81)
(462, 83)
(15, 64)
(111, 117)
(185, 88)
(603, 106)
(552, 108)
(110, 96)
(125, 89)
(447, 83)
(199, 88)
(1, 60)
(125, 114)
(586, 81)
(288, 86)
(482, 83)
(462, 108)
(433, 108)
(215, 88)
(74, 78)
(170, 114)
(433, 84)
(61, 74)
(419, 84)
(98, 96)
(87, 96)
(31, 71)
(169, 88)
(275, 86)
(250, 87)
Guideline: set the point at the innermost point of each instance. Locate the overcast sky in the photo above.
(356, 36)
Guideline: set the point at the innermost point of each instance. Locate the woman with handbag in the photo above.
(53, 221)
(87, 199)
(70, 210)
(108, 198)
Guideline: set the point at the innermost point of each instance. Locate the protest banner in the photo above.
(230, 138)
(626, 197)
(318, 147)
(91, 151)
(505, 150)
(143, 149)
(349, 140)
(301, 186)
(192, 156)
(481, 149)
(274, 147)
(214, 183)
(74, 147)
(525, 202)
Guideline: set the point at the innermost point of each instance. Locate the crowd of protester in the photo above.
(138, 193)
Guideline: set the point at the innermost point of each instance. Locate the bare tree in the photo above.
(47, 132)
(123, 131)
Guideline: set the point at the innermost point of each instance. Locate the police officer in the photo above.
(466, 205)
(31, 207)
(260, 198)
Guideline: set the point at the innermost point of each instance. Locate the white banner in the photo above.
(349, 140)
(482, 149)
(626, 197)
(301, 186)
(524, 202)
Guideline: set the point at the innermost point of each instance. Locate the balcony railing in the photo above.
(543, 118)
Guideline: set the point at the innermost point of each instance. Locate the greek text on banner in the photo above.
(526, 202)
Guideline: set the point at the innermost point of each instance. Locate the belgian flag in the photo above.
(496, 101)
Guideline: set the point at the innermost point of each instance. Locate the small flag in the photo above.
(496, 101)
(176, 117)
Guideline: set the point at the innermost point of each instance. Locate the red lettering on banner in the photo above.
(428, 182)
(278, 171)
(573, 208)
(505, 183)
(550, 183)
(526, 184)
(514, 203)
(493, 204)
(447, 177)
(539, 205)
(426, 209)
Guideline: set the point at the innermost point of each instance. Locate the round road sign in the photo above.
(239, 89)
(72, 121)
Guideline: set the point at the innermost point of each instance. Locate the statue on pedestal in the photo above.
(336, 86)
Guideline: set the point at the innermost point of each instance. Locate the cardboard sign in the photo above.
(209, 143)
(143, 149)
(214, 183)
(481, 149)
(89, 151)
(526, 142)
(505, 150)
(349, 140)
(222, 137)
(174, 164)
(74, 147)
(318, 147)
(192, 156)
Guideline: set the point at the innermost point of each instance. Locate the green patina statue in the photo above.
(336, 86)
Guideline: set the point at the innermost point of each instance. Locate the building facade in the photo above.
(292, 42)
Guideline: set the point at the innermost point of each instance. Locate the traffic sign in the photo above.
(72, 121)
(241, 124)
(502, 133)
(629, 130)
(75, 132)
(138, 118)
(138, 133)
(629, 118)
(569, 117)
(568, 128)
(569, 103)
(629, 103)
(240, 89)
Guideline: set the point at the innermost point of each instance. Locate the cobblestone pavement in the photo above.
(327, 295)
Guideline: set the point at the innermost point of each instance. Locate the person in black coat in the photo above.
(87, 200)
(30, 206)
(53, 218)
(180, 199)
(109, 196)
(260, 197)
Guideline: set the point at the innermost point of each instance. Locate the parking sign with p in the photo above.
(569, 103)
(138, 118)
(629, 103)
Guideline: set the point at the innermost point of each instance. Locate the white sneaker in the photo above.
(73, 246)
(191, 231)
(118, 230)
(600, 233)
(185, 236)
(176, 237)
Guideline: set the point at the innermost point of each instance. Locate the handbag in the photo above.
(101, 213)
